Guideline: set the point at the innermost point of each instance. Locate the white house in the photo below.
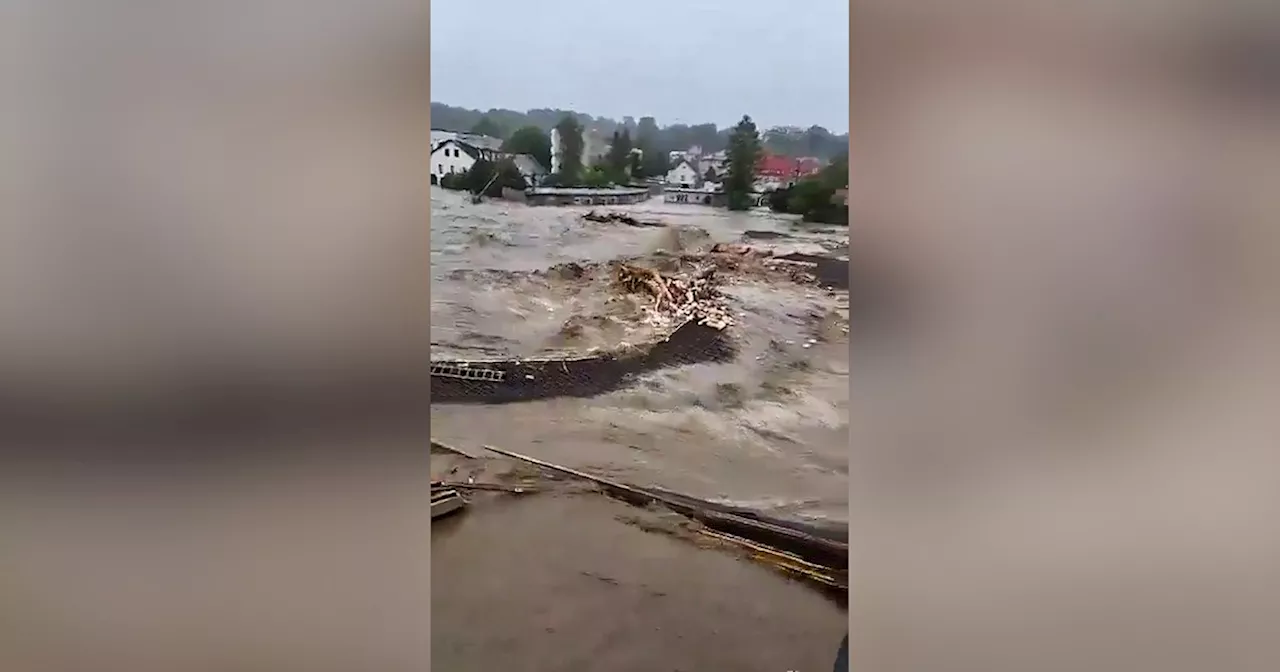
(449, 157)
(454, 156)
(682, 175)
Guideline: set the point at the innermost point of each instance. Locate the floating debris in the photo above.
(678, 299)
(620, 218)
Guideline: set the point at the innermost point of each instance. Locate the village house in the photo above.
(713, 167)
(776, 172)
(456, 156)
(439, 136)
(451, 156)
(683, 175)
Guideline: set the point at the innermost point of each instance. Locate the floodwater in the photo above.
(768, 430)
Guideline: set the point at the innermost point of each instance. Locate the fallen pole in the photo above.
(450, 449)
(782, 560)
(495, 487)
(635, 492)
(833, 555)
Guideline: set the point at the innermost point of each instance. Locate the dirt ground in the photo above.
(562, 582)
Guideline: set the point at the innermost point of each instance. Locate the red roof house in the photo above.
(778, 167)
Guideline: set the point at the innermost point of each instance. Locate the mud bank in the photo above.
(579, 582)
(829, 271)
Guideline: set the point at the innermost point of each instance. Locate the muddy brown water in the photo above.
(517, 580)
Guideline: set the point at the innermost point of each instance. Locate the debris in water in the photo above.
(694, 297)
(620, 217)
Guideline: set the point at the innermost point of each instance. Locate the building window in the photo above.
(440, 168)
(450, 170)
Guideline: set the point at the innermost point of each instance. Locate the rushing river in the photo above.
(768, 430)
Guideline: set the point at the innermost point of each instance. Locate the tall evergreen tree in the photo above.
(571, 147)
(743, 155)
(618, 160)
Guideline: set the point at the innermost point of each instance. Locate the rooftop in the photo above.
(527, 164)
(481, 141)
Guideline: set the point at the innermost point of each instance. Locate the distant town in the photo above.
(506, 154)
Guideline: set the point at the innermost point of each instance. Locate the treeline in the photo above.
(814, 197)
(645, 131)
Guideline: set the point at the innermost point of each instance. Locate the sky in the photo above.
(681, 61)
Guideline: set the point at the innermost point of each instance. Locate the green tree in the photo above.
(653, 161)
(477, 176)
(705, 136)
(487, 126)
(813, 197)
(817, 141)
(618, 160)
(597, 176)
(744, 154)
(710, 175)
(647, 131)
(571, 146)
(454, 181)
(509, 177)
(530, 140)
(836, 173)
(490, 178)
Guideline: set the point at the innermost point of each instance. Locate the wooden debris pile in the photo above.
(677, 299)
(619, 218)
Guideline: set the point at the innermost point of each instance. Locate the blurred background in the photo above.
(1062, 452)
(213, 315)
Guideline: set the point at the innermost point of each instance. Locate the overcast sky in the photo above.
(681, 61)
